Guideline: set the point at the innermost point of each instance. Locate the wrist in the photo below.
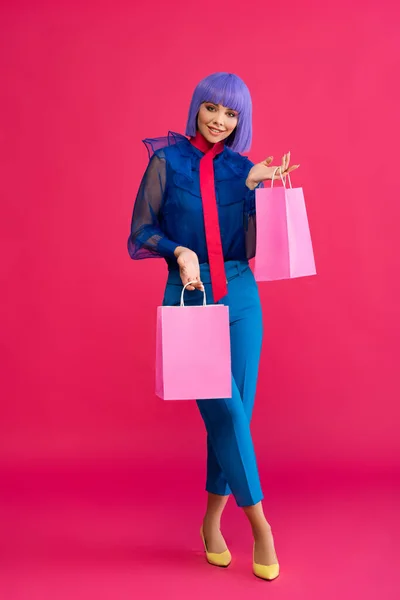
(178, 250)
(251, 184)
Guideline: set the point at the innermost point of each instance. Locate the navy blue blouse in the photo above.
(168, 208)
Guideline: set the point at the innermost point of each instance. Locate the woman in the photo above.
(185, 181)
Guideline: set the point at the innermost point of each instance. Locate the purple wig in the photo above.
(228, 90)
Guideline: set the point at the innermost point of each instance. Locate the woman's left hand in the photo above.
(263, 170)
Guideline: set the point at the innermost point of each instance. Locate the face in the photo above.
(215, 116)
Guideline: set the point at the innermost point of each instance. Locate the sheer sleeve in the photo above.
(147, 240)
(250, 223)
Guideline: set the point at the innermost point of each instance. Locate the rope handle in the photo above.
(183, 291)
(283, 180)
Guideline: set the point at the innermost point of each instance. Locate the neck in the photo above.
(200, 142)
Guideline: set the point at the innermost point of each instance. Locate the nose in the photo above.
(219, 121)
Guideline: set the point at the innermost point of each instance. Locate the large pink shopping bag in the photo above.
(284, 248)
(193, 352)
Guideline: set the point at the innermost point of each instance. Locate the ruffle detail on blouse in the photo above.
(180, 153)
(154, 144)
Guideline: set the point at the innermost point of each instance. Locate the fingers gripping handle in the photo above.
(183, 291)
(283, 180)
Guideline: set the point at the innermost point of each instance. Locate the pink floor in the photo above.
(84, 532)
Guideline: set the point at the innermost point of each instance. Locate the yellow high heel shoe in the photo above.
(268, 572)
(219, 559)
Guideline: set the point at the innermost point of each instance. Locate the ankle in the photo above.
(212, 521)
(261, 531)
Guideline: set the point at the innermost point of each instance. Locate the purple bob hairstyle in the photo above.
(228, 90)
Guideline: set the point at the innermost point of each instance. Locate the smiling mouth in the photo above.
(214, 130)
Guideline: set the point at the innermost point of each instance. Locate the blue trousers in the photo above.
(231, 461)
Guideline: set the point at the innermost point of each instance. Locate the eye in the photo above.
(231, 114)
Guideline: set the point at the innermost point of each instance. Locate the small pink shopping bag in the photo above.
(193, 352)
(284, 248)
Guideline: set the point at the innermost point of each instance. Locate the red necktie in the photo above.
(210, 211)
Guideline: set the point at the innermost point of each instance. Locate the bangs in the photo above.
(228, 93)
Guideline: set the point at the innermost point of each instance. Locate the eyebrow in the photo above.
(232, 109)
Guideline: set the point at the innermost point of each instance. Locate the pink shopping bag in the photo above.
(193, 352)
(284, 248)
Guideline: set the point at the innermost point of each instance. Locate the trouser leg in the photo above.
(229, 420)
(216, 482)
(228, 429)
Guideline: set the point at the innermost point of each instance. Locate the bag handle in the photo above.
(283, 181)
(183, 291)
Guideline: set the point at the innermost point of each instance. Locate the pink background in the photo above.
(82, 85)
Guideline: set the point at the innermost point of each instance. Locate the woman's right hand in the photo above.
(189, 268)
